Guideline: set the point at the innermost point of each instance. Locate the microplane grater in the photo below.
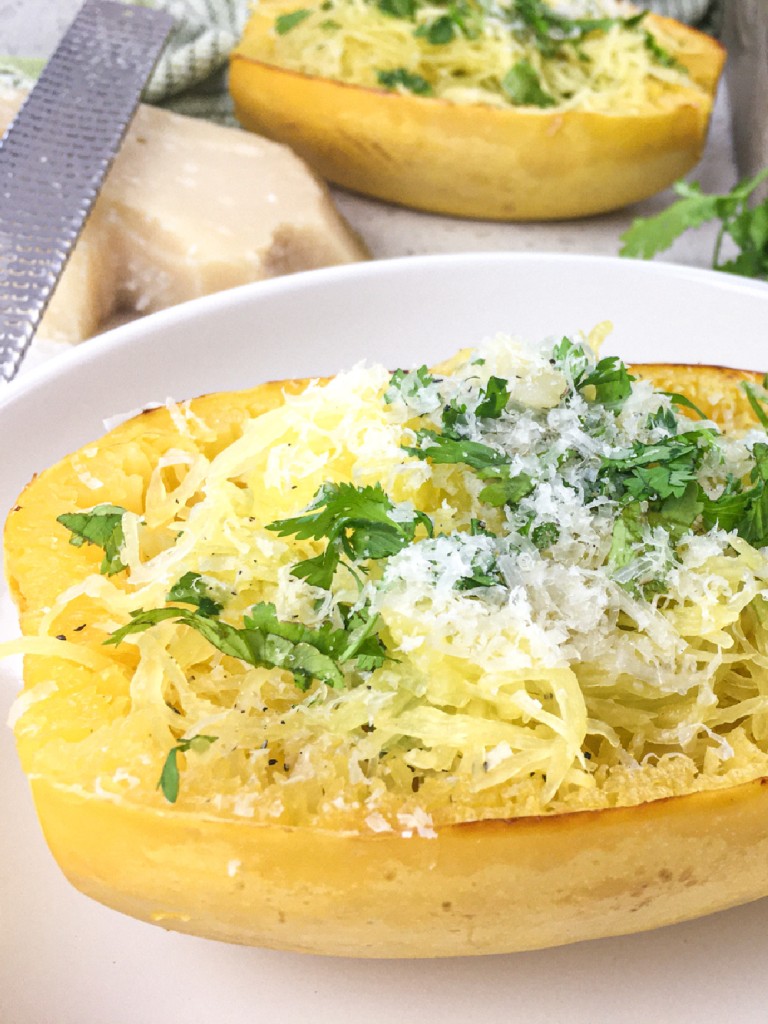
(57, 151)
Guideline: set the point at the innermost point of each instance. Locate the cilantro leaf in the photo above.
(438, 32)
(753, 524)
(285, 22)
(648, 236)
(758, 399)
(169, 776)
(268, 642)
(611, 380)
(102, 526)
(192, 589)
(493, 399)
(363, 642)
(406, 384)
(658, 470)
(489, 463)
(746, 226)
(359, 522)
(662, 419)
(523, 87)
(477, 528)
(551, 30)
(572, 360)
(401, 78)
(454, 419)
(678, 512)
(480, 576)
(506, 490)
(662, 57)
(684, 403)
(445, 450)
(398, 8)
(252, 644)
(627, 534)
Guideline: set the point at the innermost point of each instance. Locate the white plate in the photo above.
(67, 960)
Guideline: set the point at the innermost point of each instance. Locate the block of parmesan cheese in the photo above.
(190, 208)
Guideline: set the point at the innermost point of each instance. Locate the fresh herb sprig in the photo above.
(265, 641)
(744, 224)
(357, 522)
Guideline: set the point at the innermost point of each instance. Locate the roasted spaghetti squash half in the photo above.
(434, 662)
(511, 112)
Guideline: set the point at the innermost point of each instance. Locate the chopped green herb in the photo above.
(685, 403)
(477, 528)
(609, 377)
(662, 57)
(612, 382)
(663, 419)
(659, 470)
(758, 399)
(406, 384)
(545, 535)
(102, 526)
(454, 419)
(522, 86)
(267, 642)
(398, 8)
(481, 576)
(169, 777)
(445, 450)
(400, 78)
(505, 489)
(438, 32)
(494, 398)
(192, 589)
(571, 359)
(551, 31)
(285, 22)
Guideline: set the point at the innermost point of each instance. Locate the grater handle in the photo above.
(56, 154)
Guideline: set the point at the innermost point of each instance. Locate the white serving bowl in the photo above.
(99, 966)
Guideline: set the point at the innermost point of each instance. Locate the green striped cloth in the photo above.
(190, 76)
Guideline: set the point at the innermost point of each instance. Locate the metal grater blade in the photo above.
(56, 153)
